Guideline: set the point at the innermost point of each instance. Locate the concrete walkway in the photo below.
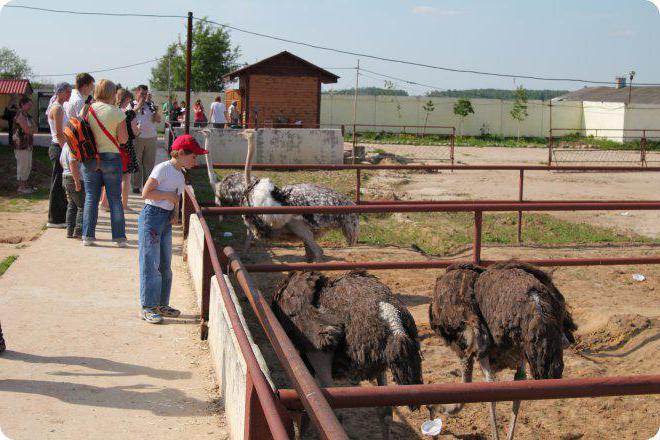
(80, 364)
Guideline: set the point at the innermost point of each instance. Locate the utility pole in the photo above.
(188, 68)
(631, 76)
(355, 97)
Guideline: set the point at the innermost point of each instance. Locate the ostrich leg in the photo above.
(321, 362)
(313, 252)
(520, 375)
(490, 377)
(385, 413)
(248, 241)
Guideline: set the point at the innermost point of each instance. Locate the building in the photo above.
(10, 89)
(281, 91)
(619, 113)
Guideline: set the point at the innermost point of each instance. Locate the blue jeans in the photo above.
(155, 247)
(110, 176)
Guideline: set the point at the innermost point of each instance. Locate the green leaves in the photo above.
(463, 107)
(519, 110)
(12, 66)
(212, 57)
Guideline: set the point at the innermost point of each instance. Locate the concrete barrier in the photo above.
(228, 362)
(274, 145)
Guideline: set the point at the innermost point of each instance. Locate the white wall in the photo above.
(641, 116)
(492, 114)
(604, 115)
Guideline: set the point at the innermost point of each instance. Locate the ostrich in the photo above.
(244, 190)
(506, 316)
(350, 327)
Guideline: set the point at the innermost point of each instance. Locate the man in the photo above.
(10, 114)
(57, 203)
(218, 115)
(84, 88)
(145, 145)
(233, 114)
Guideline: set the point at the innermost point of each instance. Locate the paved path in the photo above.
(80, 364)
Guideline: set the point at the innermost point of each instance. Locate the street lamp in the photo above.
(631, 75)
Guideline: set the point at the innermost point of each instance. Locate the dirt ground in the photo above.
(619, 334)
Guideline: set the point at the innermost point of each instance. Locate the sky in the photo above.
(586, 39)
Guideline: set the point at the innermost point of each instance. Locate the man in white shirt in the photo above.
(84, 88)
(218, 116)
(233, 114)
(145, 144)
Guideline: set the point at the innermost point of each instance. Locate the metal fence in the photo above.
(560, 154)
(265, 413)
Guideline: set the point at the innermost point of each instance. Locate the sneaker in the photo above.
(168, 311)
(121, 243)
(151, 315)
(88, 242)
(56, 225)
(137, 191)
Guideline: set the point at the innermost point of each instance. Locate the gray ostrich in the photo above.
(506, 316)
(350, 327)
(241, 189)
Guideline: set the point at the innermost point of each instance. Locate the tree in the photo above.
(428, 108)
(212, 57)
(463, 108)
(541, 95)
(13, 66)
(519, 110)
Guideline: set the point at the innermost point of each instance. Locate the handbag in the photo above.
(122, 151)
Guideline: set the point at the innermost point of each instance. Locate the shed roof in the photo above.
(283, 63)
(640, 95)
(15, 86)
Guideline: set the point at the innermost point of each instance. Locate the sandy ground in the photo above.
(79, 368)
(619, 334)
(538, 185)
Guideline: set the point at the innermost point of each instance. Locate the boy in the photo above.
(75, 193)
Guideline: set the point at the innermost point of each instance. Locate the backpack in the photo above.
(80, 138)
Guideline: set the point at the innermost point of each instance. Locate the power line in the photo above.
(109, 69)
(330, 49)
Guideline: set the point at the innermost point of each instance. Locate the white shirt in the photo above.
(51, 123)
(65, 158)
(218, 112)
(169, 180)
(144, 118)
(233, 113)
(73, 106)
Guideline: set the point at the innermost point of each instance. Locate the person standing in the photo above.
(124, 100)
(10, 115)
(198, 113)
(233, 114)
(57, 120)
(22, 142)
(218, 116)
(75, 193)
(145, 144)
(84, 88)
(107, 123)
(161, 210)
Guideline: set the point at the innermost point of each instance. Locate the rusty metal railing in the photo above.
(319, 402)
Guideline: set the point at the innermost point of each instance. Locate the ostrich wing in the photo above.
(307, 194)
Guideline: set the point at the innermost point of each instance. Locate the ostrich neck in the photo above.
(248, 158)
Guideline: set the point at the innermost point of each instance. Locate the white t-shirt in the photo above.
(218, 110)
(144, 118)
(169, 180)
(65, 159)
(73, 106)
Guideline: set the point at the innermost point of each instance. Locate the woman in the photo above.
(56, 115)
(200, 117)
(22, 142)
(107, 124)
(124, 100)
(161, 210)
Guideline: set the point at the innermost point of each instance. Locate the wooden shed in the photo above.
(281, 91)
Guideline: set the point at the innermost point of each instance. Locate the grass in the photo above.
(434, 233)
(4, 264)
(490, 140)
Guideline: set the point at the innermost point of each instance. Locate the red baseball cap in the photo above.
(188, 143)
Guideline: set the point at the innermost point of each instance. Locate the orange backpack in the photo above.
(80, 138)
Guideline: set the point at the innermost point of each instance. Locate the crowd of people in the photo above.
(123, 127)
(220, 116)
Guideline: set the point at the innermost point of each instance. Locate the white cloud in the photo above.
(434, 11)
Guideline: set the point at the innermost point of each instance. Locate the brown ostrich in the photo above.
(506, 316)
(350, 327)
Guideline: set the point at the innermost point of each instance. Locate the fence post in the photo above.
(642, 148)
(452, 144)
(520, 198)
(550, 149)
(476, 244)
(185, 220)
(256, 427)
(342, 132)
(207, 273)
(358, 179)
